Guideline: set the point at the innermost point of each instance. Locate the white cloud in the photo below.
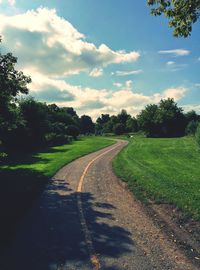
(198, 59)
(96, 72)
(170, 63)
(127, 73)
(175, 93)
(117, 84)
(96, 101)
(190, 107)
(129, 84)
(10, 2)
(175, 52)
(54, 46)
(197, 84)
(173, 66)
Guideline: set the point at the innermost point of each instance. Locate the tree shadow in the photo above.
(18, 190)
(51, 236)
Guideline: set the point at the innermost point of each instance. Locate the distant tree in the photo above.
(103, 124)
(86, 125)
(123, 116)
(103, 119)
(132, 124)
(192, 116)
(191, 127)
(148, 120)
(119, 129)
(73, 131)
(197, 134)
(171, 118)
(163, 120)
(182, 14)
(36, 116)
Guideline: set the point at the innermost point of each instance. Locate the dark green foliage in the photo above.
(163, 120)
(86, 125)
(191, 127)
(12, 83)
(119, 129)
(182, 14)
(132, 124)
(53, 139)
(73, 131)
(197, 134)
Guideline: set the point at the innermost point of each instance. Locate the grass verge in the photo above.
(165, 170)
(22, 178)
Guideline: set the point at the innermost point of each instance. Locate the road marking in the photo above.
(93, 256)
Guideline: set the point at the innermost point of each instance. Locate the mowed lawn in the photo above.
(165, 170)
(48, 162)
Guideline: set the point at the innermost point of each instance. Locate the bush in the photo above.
(191, 127)
(73, 131)
(197, 134)
(119, 129)
(53, 139)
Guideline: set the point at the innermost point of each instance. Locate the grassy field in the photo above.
(49, 161)
(22, 178)
(165, 170)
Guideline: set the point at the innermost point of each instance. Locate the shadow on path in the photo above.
(51, 237)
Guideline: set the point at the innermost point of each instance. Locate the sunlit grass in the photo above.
(166, 170)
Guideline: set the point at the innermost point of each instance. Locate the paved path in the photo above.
(86, 219)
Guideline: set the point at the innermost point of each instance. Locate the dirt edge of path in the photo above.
(183, 231)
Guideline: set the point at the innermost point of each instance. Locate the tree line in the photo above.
(27, 124)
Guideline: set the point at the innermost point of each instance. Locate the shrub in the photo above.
(73, 131)
(191, 127)
(197, 134)
(53, 139)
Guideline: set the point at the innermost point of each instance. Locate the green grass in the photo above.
(48, 162)
(23, 178)
(165, 170)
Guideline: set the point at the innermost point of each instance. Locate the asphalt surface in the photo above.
(86, 219)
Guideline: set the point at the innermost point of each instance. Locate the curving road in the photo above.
(86, 219)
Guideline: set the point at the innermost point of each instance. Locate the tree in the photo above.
(132, 125)
(148, 120)
(86, 125)
(37, 124)
(73, 131)
(171, 119)
(119, 129)
(182, 14)
(163, 120)
(12, 83)
(197, 134)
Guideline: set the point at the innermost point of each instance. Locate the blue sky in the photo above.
(101, 56)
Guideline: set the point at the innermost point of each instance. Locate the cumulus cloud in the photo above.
(10, 2)
(54, 46)
(127, 73)
(175, 52)
(190, 107)
(170, 63)
(117, 84)
(96, 72)
(175, 93)
(96, 101)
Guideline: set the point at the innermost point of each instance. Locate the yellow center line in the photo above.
(93, 256)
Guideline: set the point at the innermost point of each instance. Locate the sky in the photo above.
(101, 56)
